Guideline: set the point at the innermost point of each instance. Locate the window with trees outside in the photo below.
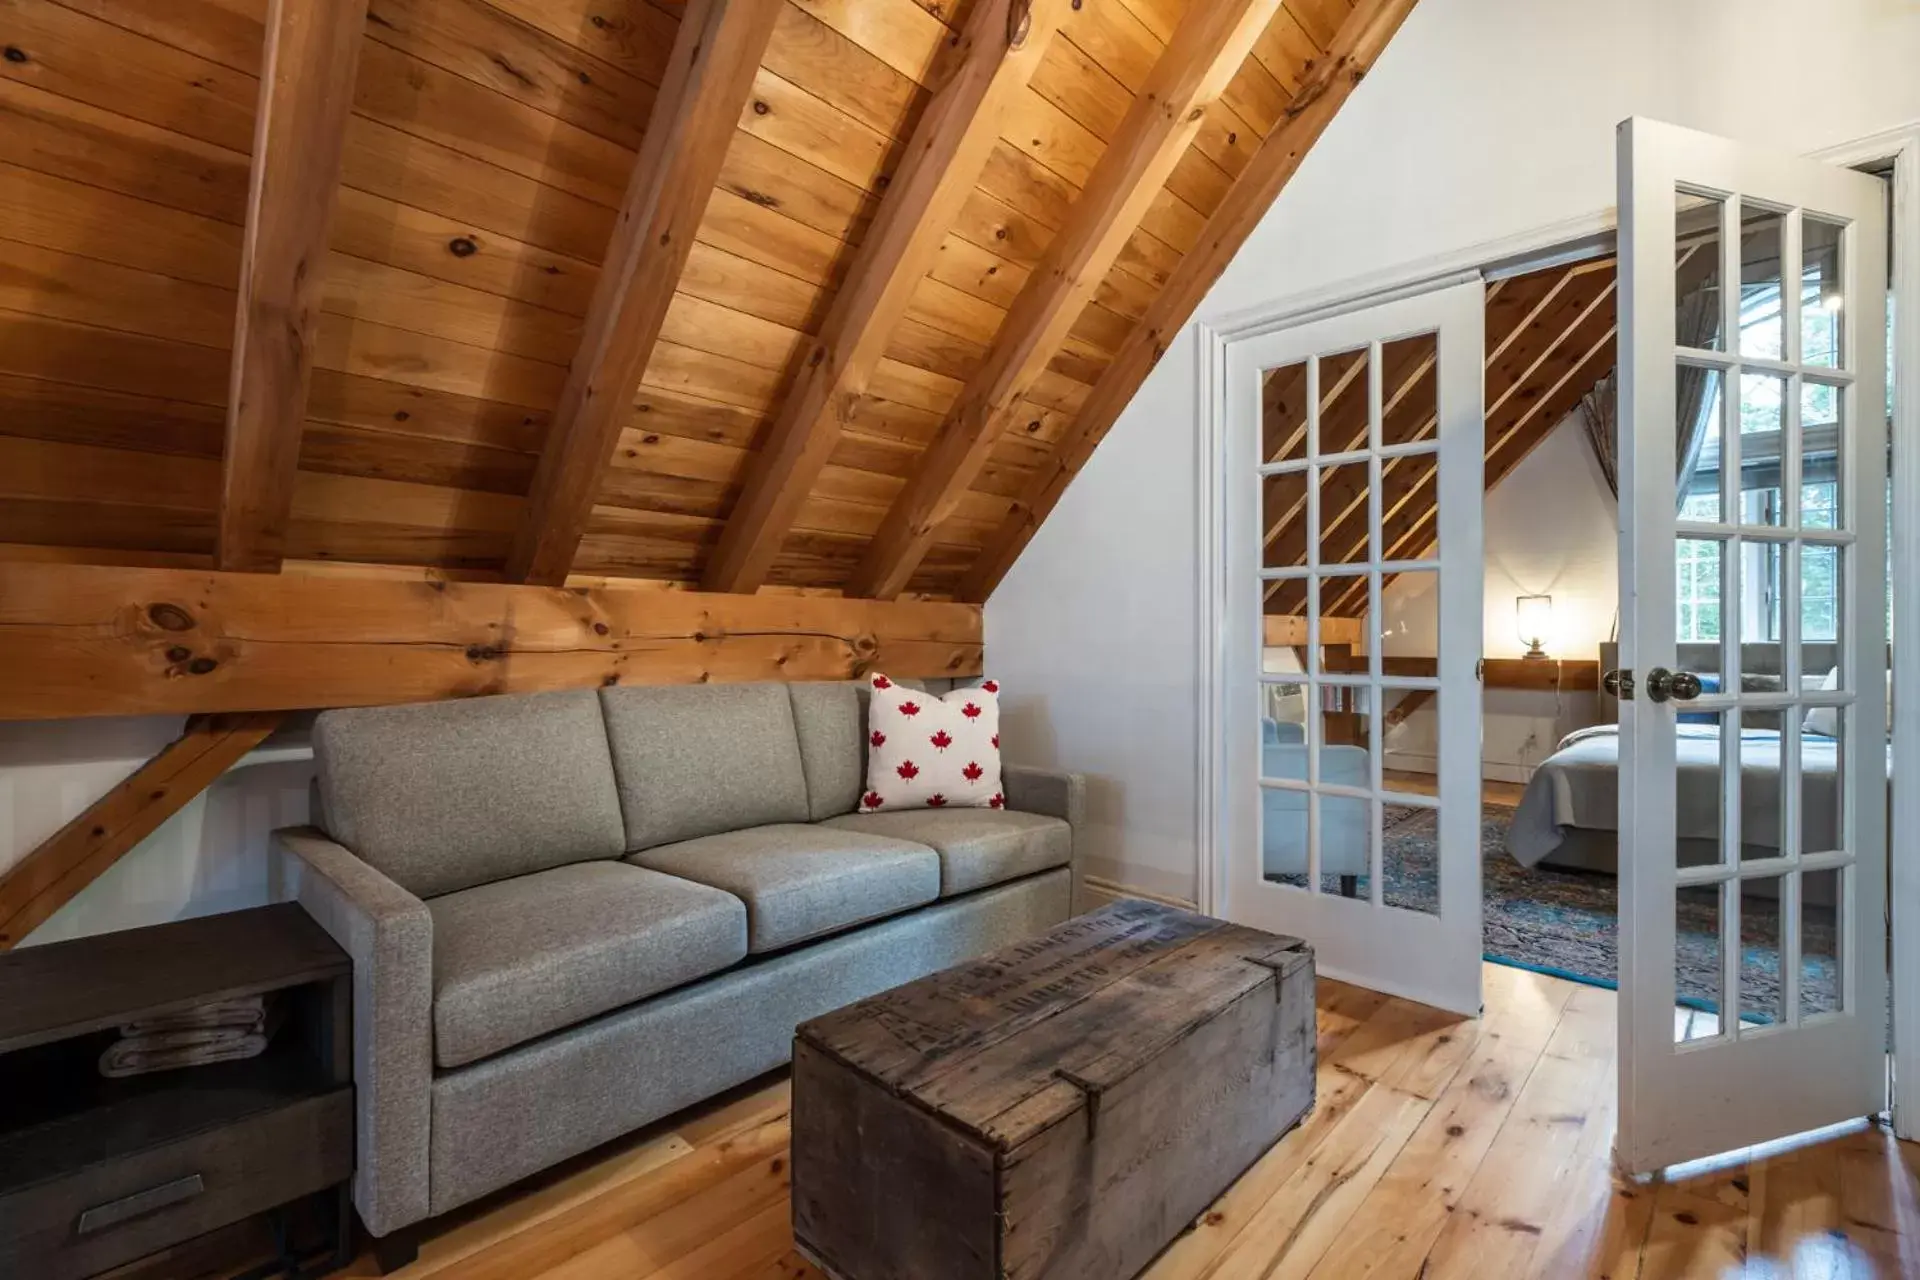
(1698, 568)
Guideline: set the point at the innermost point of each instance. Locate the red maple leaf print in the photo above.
(936, 800)
(908, 770)
(990, 686)
(970, 711)
(997, 801)
(996, 742)
(877, 738)
(871, 800)
(941, 740)
(972, 772)
(909, 708)
(881, 682)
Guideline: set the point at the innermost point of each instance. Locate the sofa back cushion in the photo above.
(695, 760)
(831, 724)
(447, 795)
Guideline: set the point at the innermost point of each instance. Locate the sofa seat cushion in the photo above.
(801, 881)
(977, 847)
(519, 958)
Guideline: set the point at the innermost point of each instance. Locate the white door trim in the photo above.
(1904, 836)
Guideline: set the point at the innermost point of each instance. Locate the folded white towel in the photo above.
(168, 1050)
(249, 1013)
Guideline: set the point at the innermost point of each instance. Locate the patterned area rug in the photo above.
(1567, 923)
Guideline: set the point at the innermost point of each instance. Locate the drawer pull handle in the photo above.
(115, 1212)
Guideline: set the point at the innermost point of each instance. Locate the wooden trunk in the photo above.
(1061, 1109)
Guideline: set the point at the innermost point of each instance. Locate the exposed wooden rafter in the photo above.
(995, 56)
(1526, 318)
(80, 852)
(80, 640)
(1207, 48)
(306, 92)
(1329, 83)
(592, 304)
(1534, 383)
(710, 72)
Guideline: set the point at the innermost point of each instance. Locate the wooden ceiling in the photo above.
(1550, 339)
(883, 272)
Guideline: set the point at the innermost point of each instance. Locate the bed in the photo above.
(1569, 813)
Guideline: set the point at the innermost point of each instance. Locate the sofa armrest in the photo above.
(389, 935)
(1053, 792)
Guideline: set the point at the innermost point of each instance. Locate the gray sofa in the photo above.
(574, 913)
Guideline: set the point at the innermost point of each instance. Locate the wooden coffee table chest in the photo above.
(1061, 1109)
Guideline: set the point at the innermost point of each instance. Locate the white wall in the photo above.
(209, 857)
(1484, 119)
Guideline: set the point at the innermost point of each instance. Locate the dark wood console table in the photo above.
(95, 1172)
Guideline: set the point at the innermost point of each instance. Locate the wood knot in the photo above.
(16, 54)
(170, 617)
(482, 653)
(462, 247)
(179, 653)
(760, 108)
(201, 666)
(601, 628)
(1020, 22)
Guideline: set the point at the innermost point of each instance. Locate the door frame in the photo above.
(1589, 235)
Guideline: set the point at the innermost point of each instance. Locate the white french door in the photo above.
(1753, 770)
(1352, 615)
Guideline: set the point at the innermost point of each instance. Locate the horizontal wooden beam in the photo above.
(1331, 81)
(1572, 675)
(92, 640)
(994, 57)
(306, 94)
(1290, 630)
(76, 855)
(709, 77)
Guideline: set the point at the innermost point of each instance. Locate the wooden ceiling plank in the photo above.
(80, 852)
(715, 57)
(1207, 49)
(1324, 89)
(306, 94)
(997, 53)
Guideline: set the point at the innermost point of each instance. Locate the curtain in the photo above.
(1696, 324)
(1599, 409)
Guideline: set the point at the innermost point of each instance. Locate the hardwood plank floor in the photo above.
(1440, 1147)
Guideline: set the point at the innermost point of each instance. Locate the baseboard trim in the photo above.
(1098, 892)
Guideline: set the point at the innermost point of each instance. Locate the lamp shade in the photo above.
(1533, 616)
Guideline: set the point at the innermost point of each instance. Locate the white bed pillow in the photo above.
(928, 752)
(1825, 720)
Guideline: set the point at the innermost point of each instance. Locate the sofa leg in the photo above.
(400, 1249)
(1349, 886)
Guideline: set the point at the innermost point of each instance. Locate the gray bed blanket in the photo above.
(1579, 786)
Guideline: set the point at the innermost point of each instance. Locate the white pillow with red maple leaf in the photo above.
(931, 752)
